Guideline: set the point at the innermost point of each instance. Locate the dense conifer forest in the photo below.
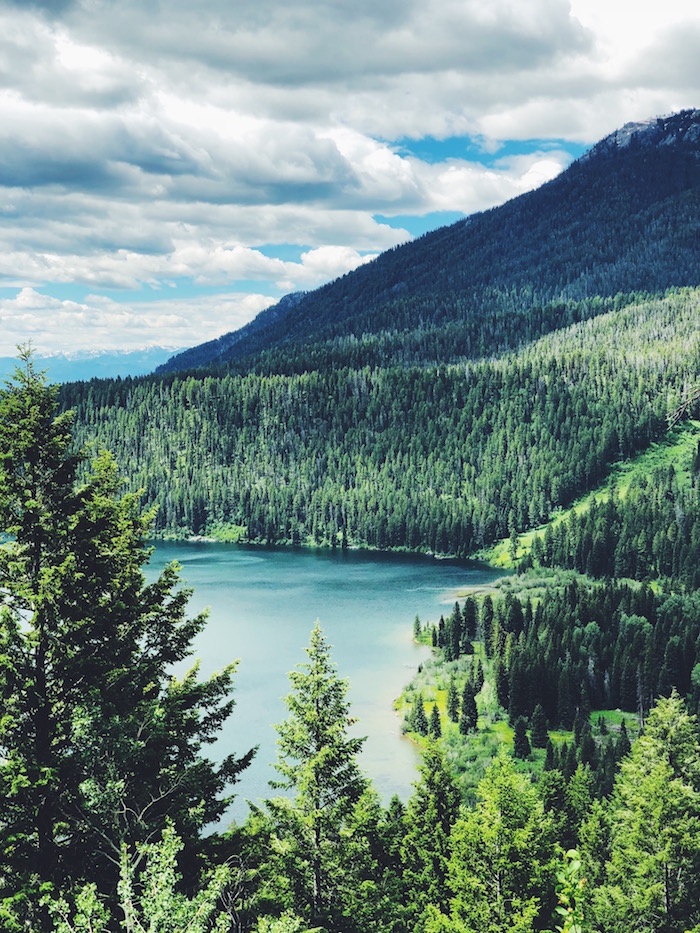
(446, 458)
(473, 392)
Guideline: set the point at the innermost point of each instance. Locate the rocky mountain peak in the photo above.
(679, 129)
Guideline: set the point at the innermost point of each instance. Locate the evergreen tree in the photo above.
(501, 870)
(100, 744)
(549, 759)
(418, 719)
(579, 797)
(457, 627)
(521, 743)
(502, 682)
(588, 750)
(469, 715)
(479, 680)
(435, 729)
(452, 700)
(653, 870)
(487, 615)
(568, 761)
(538, 728)
(430, 815)
(624, 746)
(470, 617)
(317, 761)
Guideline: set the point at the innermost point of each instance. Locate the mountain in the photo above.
(223, 348)
(98, 364)
(570, 320)
(622, 219)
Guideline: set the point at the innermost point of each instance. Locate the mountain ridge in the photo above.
(682, 127)
(93, 364)
(621, 219)
(430, 401)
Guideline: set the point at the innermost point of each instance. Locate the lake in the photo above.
(263, 604)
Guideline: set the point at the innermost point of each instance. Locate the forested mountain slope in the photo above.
(454, 391)
(444, 459)
(622, 219)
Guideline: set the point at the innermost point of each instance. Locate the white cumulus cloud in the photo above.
(172, 150)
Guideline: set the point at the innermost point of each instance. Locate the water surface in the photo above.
(263, 603)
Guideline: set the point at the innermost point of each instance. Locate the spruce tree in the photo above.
(469, 715)
(430, 815)
(549, 758)
(521, 743)
(457, 621)
(100, 746)
(419, 720)
(479, 679)
(317, 762)
(416, 627)
(652, 872)
(623, 745)
(487, 615)
(435, 729)
(538, 728)
(501, 872)
(452, 701)
(471, 616)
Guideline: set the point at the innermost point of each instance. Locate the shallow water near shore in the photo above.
(263, 603)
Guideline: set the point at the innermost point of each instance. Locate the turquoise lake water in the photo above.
(263, 603)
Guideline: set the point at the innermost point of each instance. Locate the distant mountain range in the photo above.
(624, 218)
(73, 367)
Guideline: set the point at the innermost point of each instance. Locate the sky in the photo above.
(169, 169)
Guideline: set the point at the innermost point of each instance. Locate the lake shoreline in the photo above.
(263, 601)
(313, 546)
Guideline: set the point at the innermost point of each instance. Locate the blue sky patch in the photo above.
(431, 150)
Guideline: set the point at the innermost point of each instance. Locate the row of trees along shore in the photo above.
(110, 802)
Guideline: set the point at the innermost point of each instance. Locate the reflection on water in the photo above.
(262, 606)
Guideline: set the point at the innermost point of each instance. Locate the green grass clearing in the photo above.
(678, 448)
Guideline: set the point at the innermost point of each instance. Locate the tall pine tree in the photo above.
(99, 745)
(317, 762)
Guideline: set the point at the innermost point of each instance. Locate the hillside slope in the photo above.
(445, 459)
(622, 219)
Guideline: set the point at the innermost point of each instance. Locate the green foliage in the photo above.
(453, 701)
(646, 527)
(570, 886)
(288, 922)
(424, 458)
(157, 906)
(99, 744)
(430, 815)
(418, 720)
(607, 645)
(501, 869)
(652, 871)
(148, 898)
(469, 715)
(323, 823)
(538, 728)
(521, 743)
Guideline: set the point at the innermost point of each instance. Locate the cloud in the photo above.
(55, 325)
(143, 146)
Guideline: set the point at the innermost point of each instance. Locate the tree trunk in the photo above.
(44, 808)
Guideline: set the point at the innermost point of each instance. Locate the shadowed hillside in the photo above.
(622, 219)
